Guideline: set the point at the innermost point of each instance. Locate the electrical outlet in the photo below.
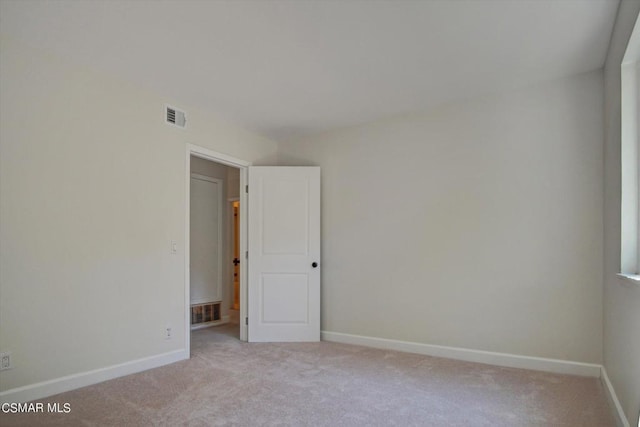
(5, 361)
(167, 333)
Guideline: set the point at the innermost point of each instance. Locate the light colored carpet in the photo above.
(227, 382)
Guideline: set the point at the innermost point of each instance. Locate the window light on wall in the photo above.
(630, 159)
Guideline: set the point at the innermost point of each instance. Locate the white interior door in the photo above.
(284, 254)
(205, 239)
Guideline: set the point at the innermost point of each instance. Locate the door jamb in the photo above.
(243, 165)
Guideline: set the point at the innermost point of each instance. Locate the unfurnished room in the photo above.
(320, 212)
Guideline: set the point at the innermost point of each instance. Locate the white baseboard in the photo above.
(621, 418)
(478, 356)
(83, 379)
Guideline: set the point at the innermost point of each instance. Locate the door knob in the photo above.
(314, 264)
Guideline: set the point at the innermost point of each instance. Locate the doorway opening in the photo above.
(207, 187)
(215, 236)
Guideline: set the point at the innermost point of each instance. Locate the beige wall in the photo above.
(478, 225)
(233, 182)
(621, 299)
(92, 186)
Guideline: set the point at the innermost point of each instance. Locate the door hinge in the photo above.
(246, 255)
(246, 188)
(246, 320)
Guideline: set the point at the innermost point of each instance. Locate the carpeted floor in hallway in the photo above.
(227, 382)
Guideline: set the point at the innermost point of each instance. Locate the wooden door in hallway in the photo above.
(235, 230)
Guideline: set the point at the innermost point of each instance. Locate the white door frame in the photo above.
(243, 165)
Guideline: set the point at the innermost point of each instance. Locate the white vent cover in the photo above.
(175, 117)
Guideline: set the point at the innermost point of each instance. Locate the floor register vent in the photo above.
(206, 314)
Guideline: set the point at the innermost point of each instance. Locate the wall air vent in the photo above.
(175, 117)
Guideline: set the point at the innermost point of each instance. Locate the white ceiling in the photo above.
(292, 68)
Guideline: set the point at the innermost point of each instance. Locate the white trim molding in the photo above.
(633, 279)
(621, 418)
(71, 382)
(468, 355)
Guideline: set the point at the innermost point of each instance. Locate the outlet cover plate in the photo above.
(5, 361)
